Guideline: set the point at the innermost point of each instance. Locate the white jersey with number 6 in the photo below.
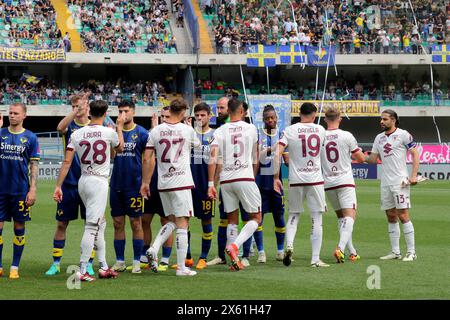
(305, 141)
(235, 141)
(173, 143)
(93, 144)
(337, 159)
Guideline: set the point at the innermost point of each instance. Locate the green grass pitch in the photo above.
(426, 278)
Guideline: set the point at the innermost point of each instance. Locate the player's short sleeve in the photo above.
(375, 146)
(216, 138)
(151, 140)
(34, 150)
(408, 140)
(71, 144)
(114, 139)
(283, 138)
(195, 141)
(255, 135)
(352, 143)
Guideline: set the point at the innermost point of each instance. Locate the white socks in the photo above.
(350, 246)
(182, 245)
(100, 245)
(246, 232)
(408, 231)
(291, 229)
(87, 244)
(232, 233)
(345, 232)
(394, 236)
(316, 235)
(163, 234)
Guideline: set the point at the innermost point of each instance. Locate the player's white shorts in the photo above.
(342, 198)
(177, 203)
(395, 196)
(93, 192)
(314, 196)
(246, 192)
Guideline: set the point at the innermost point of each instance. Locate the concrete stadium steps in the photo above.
(66, 23)
(205, 40)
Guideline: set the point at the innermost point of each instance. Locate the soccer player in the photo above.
(126, 179)
(19, 158)
(93, 145)
(172, 142)
(391, 147)
(305, 140)
(272, 201)
(67, 210)
(203, 206)
(153, 206)
(339, 149)
(237, 144)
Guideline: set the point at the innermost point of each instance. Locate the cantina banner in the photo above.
(361, 108)
(29, 55)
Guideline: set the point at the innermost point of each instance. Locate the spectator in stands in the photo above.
(67, 44)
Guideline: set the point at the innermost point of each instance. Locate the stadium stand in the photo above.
(123, 26)
(376, 26)
(30, 24)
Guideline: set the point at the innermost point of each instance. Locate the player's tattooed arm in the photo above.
(31, 196)
(372, 158)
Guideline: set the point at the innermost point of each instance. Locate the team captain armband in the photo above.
(410, 145)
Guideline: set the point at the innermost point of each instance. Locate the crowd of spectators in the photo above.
(27, 23)
(124, 26)
(354, 26)
(48, 92)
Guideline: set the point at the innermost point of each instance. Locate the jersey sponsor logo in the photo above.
(12, 148)
(309, 168)
(387, 148)
(310, 163)
(173, 172)
(236, 166)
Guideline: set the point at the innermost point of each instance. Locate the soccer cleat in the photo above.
(53, 270)
(186, 272)
(391, 256)
(14, 274)
(410, 256)
(85, 277)
(319, 264)
(233, 252)
(216, 261)
(107, 274)
(90, 270)
(245, 262)
(261, 257)
(201, 264)
(279, 256)
(288, 252)
(189, 263)
(119, 266)
(136, 268)
(152, 260)
(353, 257)
(163, 267)
(1, 272)
(339, 255)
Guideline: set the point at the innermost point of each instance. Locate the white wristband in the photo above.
(210, 184)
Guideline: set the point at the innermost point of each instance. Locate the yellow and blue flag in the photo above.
(30, 79)
(318, 57)
(440, 53)
(292, 54)
(261, 56)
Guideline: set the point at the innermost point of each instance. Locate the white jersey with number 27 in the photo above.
(93, 144)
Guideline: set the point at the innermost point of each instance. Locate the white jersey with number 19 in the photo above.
(93, 144)
(235, 141)
(173, 143)
(337, 159)
(305, 141)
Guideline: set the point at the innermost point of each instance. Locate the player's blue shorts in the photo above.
(71, 204)
(128, 202)
(272, 201)
(204, 208)
(154, 205)
(223, 215)
(15, 207)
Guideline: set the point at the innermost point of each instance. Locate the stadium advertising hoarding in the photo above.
(364, 171)
(281, 103)
(430, 154)
(30, 55)
(358, 108)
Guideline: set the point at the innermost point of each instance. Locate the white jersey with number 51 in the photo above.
(172, 144)
(93, 144)
(337, 160)
(305, 142)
